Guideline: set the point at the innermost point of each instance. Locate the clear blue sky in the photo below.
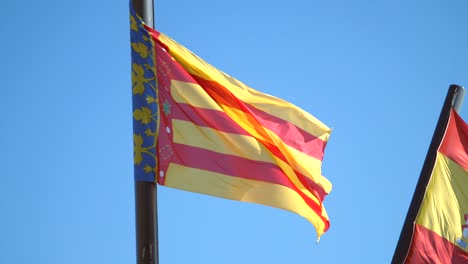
(377, 72)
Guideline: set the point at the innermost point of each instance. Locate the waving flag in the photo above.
(441, 229)
(200, 130)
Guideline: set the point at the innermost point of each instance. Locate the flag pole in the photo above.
(458, 100)
(453, 99)
(146, 214)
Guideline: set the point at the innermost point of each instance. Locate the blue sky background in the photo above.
(377, 72)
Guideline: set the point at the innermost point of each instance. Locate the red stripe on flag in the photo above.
(239, 167)
(207, 118)
(427, 247)
(455, 142)
(221, 122)
(292, 135)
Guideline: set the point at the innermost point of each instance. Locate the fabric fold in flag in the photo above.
(201, 130)
(441, 228)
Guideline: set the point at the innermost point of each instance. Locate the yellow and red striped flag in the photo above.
(440, 232)
(200, 130)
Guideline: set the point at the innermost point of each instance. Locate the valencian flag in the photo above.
(200, 130)
(440, 232)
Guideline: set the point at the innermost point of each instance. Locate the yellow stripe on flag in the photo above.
(232, 144)
(445, 200)
(215, 184)
(192, 94)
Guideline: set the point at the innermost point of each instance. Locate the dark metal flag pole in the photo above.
(454, 99)
(145, 8)
(146, 223)
(146, 218)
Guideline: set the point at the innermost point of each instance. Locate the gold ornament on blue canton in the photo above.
(145, 101)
